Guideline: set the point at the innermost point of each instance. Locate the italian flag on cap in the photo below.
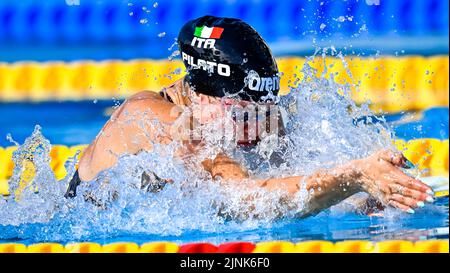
(208, 32)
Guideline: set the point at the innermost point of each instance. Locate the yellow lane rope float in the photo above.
(430, 155)
(391, 84)
(429, 246)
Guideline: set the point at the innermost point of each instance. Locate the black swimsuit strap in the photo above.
(164, 94)
(72, 189)
(184, 88)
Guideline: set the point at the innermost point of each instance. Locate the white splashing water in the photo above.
(321, 133)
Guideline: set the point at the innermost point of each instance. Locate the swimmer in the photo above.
(229, 65)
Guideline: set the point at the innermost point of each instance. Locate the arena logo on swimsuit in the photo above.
(222, 69)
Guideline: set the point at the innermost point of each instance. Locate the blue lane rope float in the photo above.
(100, 21)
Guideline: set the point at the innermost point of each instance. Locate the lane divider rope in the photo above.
(391, 84)
(357, 246)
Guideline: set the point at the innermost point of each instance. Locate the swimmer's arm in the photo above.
(226, 168)
(128, 131)
(323, 189)
(379, 175)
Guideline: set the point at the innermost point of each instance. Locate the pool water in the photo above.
(72, 123)
(326, 129)
(430, 223)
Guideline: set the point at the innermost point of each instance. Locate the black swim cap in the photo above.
(226, 56)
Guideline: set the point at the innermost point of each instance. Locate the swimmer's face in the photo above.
(208, 108)
(249, 117)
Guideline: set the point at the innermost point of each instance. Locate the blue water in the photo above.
(429, 223)
(73, 123)
(99, 30)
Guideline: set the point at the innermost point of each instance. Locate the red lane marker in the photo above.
(236, 247)
(198, 248)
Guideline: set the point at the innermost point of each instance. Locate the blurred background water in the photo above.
(126, 29)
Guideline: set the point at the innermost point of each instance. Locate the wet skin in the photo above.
(379, 175)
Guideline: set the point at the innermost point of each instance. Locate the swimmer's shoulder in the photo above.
(145, 97)
(152, 97)
(150, 102)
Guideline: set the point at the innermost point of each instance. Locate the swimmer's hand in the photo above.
(380, 176)
(225, 168)
(151, 182)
